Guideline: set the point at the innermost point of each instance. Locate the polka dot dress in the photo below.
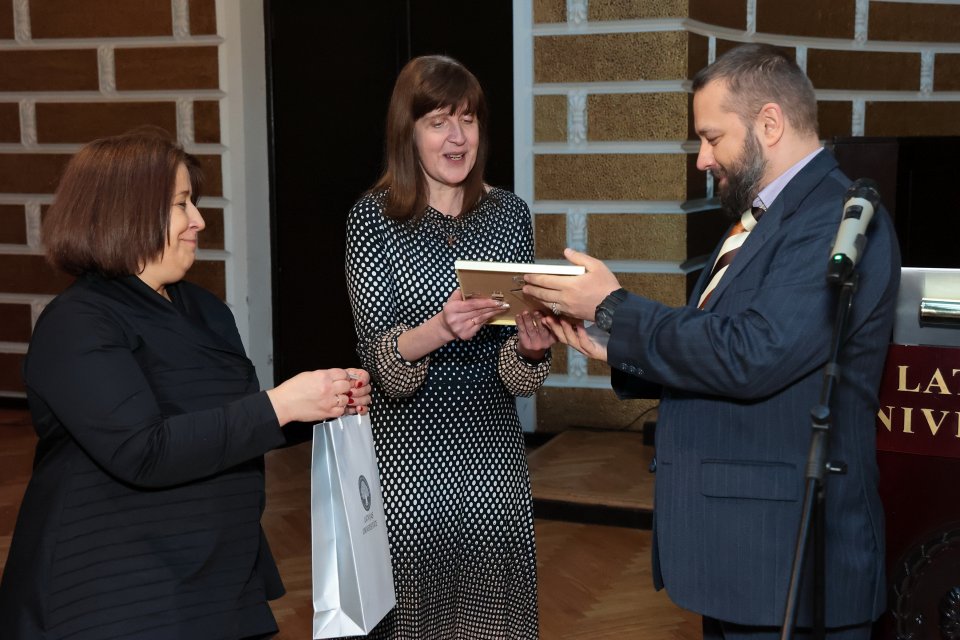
(451, 452)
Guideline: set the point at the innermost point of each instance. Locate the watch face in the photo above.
(604, 319)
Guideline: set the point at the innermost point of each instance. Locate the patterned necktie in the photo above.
(735, 239)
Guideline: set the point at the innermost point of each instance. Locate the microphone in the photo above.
(859, 204)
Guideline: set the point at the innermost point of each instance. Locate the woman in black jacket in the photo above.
(142, 517)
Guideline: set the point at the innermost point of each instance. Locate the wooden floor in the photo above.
(594, 468)
(594, 580)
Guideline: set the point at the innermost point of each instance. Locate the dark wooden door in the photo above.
(330, 71)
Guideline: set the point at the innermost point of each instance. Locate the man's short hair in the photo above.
(756, 74)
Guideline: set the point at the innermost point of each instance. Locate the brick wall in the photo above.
(606, 152)
(72, 71)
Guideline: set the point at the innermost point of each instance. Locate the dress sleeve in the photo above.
(82, 367)
(373, 298)
(522, 377)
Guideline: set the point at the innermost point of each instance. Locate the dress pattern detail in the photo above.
(451, 452)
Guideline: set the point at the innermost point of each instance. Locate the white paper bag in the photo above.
(352, 577)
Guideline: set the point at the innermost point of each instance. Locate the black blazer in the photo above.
(142, 517)
(739, 379)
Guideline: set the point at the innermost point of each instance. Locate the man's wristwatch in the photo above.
(604, 312)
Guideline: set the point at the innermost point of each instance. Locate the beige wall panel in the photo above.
(912, 119)
(611, 57)
(597, 368)
(100, 18)
(909, 21)
(610, 177)
(835, 119)
(668, 288)
(637, 237)
(562, 408)
(636, 9)
(946, 72)
(639, 116)
(551, 235)
(874, 70)
(83, 121)
(559, 363)
(550, 118)
(813, 18)
(549, 11)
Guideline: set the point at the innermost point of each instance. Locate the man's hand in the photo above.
(574, 296)
(578, 337)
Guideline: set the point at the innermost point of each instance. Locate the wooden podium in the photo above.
(918, 453)
(918, 426)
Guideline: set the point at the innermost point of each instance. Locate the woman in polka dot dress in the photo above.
(453, 468)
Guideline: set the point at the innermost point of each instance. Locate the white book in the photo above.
(504, 281)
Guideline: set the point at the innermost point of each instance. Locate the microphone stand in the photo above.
(817, 466)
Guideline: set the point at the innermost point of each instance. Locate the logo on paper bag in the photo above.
(364, 493)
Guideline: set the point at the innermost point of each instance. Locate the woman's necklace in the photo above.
(448, 226)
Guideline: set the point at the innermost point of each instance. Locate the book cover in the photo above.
(504, 281)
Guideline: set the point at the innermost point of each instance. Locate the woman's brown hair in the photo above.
(111, 210)
(425, 84)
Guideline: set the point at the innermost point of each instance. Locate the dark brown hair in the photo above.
(756, 74)
(425, 84)
(111, 211)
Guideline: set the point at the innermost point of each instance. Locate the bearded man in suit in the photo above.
(741, 365)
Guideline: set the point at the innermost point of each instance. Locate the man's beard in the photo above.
(743, 178)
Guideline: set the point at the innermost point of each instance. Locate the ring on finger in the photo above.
(555, 308)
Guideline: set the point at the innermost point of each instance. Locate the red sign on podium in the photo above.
(920, 401)
(918, 455)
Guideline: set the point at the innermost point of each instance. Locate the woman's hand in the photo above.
(535, 337)
(312, 396)
(462, 319)
(360, 398)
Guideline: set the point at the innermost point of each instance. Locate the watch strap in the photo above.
(610, 303)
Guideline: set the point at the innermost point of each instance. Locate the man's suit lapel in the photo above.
(784, 206)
